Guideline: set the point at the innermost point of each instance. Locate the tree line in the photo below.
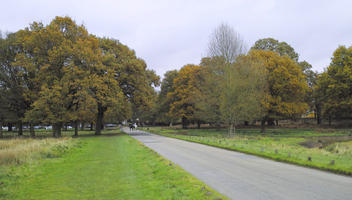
(267, 83)
(59, 73)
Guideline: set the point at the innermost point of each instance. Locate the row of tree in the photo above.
(59, 73)
(267, 83)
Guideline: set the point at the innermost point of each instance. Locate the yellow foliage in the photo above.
(287, 85)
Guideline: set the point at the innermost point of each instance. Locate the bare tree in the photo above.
(227, 43)
(242, 90)
(242, 79)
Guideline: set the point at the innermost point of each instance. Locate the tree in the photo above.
(284, 49)
(62, 74)
(134, 79)
(242, 91)
(225, 45)
(51, 57)
(312, 98)
(164, 101)
(270, 44)
(208, 104)
(287, 86)
(334, 85)
(13, 101)
(184, 92)
(225, 42)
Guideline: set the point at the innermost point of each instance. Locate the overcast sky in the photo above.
(171, 33)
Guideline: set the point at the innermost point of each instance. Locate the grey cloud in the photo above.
(169, 34)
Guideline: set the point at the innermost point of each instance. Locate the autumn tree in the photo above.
(284, 49)
(270, 44)
(59, 73)
(49, 58)
(134, 79)
(185, 89)
(334, 85)
(13, 102)
(287, 86)
(164, 101)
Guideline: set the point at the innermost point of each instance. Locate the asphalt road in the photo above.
(241, 176)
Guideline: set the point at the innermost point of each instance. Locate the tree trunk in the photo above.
(9, 127)
(76, 128)
(1, 135)
(57, 129)
(20, 130)
(91, 126)
(198, 124)
(54, 130)
(184, 122)
(82, 126)
(262, 130)
(318, 114)
(100, 117)
(329, 120)
(277, 122)
(31, 130)
(232, 129)
(65, 127)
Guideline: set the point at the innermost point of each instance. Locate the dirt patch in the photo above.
(323, 141)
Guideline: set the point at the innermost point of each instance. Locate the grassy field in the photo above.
(326, 149)
(103, 167)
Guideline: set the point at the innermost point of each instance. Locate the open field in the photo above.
(104, 167)
(323, 149)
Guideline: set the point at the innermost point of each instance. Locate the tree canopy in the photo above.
(335, 85)
(270, 44)
(286, 86)
(185, 90)
(64, 74)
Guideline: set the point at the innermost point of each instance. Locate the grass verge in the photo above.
(104, 167)
(20, 150)
(327, 152)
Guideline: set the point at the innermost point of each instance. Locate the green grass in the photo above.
(291, 145)
(274, 132)
(104, 167)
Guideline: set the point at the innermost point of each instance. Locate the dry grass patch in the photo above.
(19, 150)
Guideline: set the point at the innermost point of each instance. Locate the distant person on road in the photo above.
(132, 126)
